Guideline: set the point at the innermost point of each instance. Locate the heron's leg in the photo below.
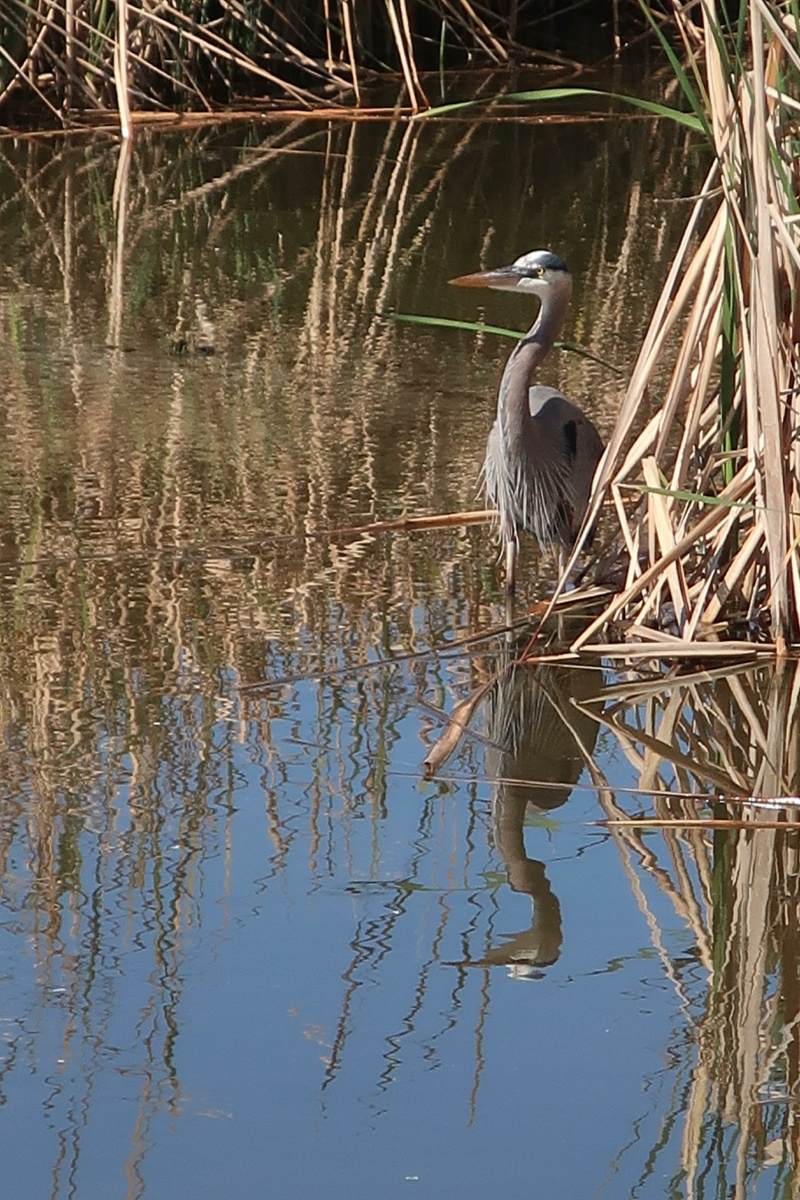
(511, 566)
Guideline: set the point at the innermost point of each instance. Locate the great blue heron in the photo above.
(542, 450)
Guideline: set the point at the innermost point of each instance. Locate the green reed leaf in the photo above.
(499, 330)
(688, 120)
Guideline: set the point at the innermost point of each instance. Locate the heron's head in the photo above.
(538, 273)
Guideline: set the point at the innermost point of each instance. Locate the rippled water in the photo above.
(244, 947)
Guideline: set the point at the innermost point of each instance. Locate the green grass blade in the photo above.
(700, 498)
(451, 323)
(665, 111)
(697, 497)
(700, 104)
(694, 122)
(480, 327)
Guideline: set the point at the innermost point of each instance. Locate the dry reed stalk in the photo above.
(481, 31)
(170, 19)
(678, 648)
(766, 354)
(282, 46)
(398, 24)
(121, 71)
(732, 576)
(457, 726)
(682, 391)
(661, 525)
(24, 74)
(674, 296)
(735, 491)
(95, 68)
(326, 9)
(705, 610)
(347, 23)
(699, 386)
(312, 47)
(69, 51)
(683, 822)
(407, 524)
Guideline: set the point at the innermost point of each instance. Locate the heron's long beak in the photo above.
(502, 278)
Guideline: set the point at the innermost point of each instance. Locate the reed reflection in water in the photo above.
(235, 927)
(716, 734)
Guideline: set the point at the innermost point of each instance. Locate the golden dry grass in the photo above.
(704, 488)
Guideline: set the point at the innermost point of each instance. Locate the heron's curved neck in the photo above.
(513, 410)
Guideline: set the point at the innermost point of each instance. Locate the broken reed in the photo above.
(707, 498)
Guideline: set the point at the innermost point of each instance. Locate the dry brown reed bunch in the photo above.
(707, 496)
(75, 56)
(72, 56)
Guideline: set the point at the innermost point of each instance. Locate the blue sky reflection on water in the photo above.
(244, 948)
(305, 1019)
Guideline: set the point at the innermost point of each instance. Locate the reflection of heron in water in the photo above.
(536, 735)
(542, 450)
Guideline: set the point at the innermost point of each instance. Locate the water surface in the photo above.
(244, 947)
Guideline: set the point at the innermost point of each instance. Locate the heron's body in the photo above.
(542, 450)
(547, 503)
